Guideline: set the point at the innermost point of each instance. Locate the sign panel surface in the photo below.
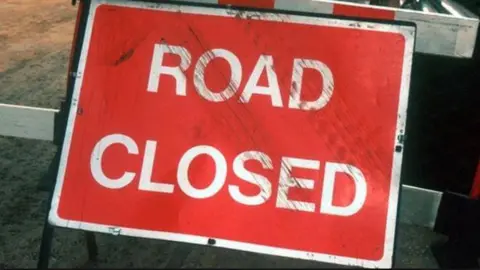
(257, 131)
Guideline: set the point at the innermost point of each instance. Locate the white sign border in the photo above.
(386, 261)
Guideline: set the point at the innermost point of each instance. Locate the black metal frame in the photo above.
(61, 120)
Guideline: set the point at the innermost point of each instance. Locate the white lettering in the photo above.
(252, 87)
(326, 206)
(235, 78)
(287, 181)
(296, 90)
(253, 178)
(218, 180)
(265, 62)
(157, 68)
(96, 161)
(146, 173)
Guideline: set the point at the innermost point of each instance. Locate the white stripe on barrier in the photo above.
(442, 34)
(438, 34)
(417, 206)
(305, 6)
(27, 122)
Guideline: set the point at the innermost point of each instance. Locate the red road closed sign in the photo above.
(258, 131)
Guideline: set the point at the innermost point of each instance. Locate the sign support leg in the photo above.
(48, 230)
(91, 246)
(45, 246)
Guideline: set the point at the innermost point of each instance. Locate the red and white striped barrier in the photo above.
(438, 34)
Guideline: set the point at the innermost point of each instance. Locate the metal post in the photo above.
(48, 230)
(91, 246)
(45, 246)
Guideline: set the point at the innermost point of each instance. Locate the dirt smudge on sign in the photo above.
(124, 57)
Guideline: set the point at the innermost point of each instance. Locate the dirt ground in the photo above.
(35, 39)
